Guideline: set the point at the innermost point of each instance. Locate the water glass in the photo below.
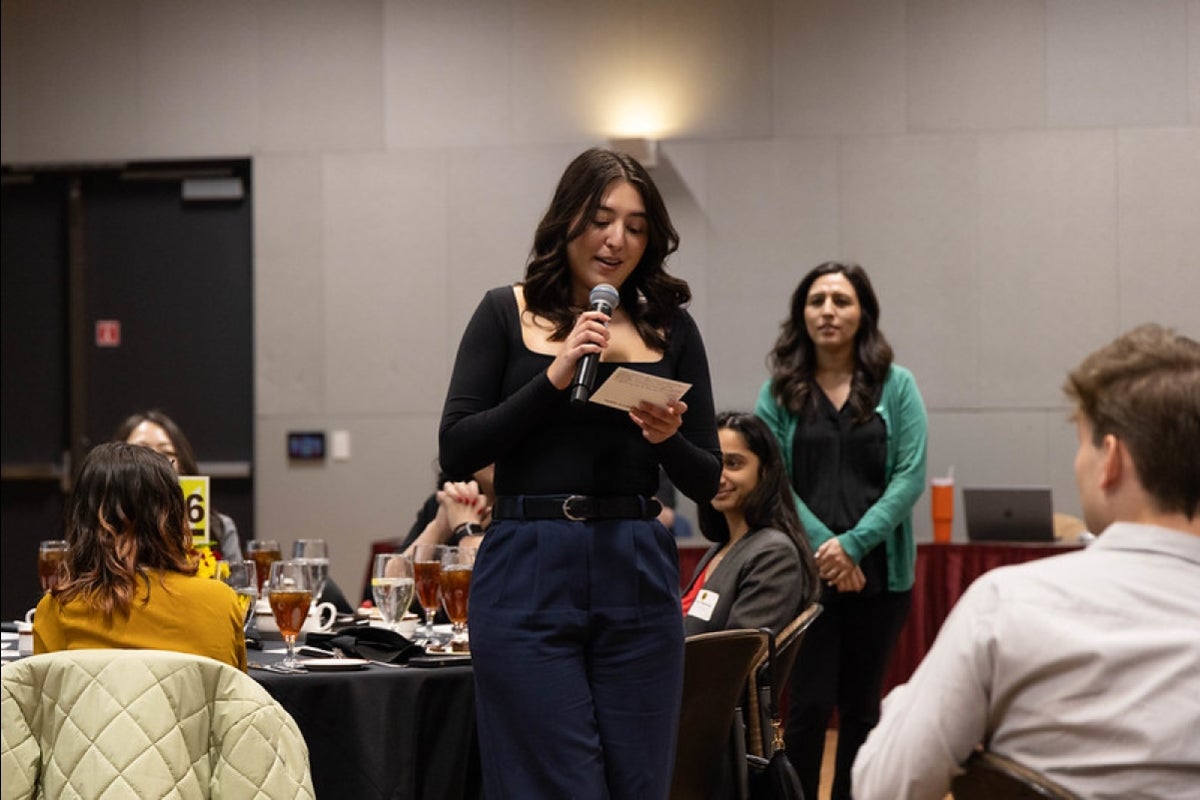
(315, 553)
(392, 586)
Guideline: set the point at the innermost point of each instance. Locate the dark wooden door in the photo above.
(124, 244)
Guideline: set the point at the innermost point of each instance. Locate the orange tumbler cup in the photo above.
(942, 502)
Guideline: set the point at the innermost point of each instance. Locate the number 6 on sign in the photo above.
(195, 495)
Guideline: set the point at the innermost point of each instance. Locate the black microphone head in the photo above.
(604, 293)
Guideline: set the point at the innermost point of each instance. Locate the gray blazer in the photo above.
(759, 584)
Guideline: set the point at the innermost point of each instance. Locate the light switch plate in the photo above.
(341, 446)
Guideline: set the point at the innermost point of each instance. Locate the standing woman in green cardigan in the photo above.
(851, 425)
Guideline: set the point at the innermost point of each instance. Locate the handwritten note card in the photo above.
(628, 387)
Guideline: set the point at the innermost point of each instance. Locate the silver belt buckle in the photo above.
(567, 508)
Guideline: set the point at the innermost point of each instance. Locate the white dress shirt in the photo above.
(1084, 667)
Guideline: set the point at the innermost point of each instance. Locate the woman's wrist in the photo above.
(465, 529)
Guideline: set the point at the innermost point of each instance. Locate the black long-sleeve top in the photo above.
(502, 408)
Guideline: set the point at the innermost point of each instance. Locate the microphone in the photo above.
(603, 298)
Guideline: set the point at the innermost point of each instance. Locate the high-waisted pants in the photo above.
(577, 643)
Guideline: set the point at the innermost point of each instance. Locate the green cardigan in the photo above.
(889, 520)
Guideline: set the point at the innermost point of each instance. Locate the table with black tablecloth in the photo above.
(384, 732)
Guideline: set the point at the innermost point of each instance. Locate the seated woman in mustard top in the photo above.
(130, 580)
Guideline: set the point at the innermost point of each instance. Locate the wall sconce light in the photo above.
(643, 149)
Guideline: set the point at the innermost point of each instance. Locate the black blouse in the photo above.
(502, 408)
(839, 470)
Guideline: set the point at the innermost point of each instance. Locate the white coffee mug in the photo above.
(320, 618)
(29, 615)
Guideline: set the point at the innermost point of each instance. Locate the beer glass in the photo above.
(455, 583)
(289, 591)
(51, 554)
(427, 568)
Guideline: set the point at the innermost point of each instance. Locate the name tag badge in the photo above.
(702, 607)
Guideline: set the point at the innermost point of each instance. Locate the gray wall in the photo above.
(1020, 177)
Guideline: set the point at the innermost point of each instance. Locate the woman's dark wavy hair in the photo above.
(125, 516)
(770, 504)
(793, 359)
(649, 296)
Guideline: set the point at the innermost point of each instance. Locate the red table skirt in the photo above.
(943, 573)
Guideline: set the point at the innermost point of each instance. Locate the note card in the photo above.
(628, 387)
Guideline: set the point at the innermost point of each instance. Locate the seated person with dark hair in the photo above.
(130, 580)
(761, 572)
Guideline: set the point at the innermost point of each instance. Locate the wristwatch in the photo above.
(464, 530)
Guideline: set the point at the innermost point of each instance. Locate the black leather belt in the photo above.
(575, 507)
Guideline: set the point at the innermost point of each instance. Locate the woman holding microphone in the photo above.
(576, 630)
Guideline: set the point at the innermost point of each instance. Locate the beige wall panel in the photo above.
(374, 495)
(1116, 62)
(619, 68)
(1047, 259)
(385, 282)
(500, 196)
(773, 211)
(448, 73)
(1158, 177)
(321, 78)
(76, 87)
(199, 78)
(839, 67)
(909, 211)
(1193, 59)
(976, 65)
(289, 305)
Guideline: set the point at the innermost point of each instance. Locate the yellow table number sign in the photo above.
(195, 497)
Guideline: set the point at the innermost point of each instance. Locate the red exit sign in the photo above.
(108, 333)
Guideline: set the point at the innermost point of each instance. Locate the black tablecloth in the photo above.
(384, 732)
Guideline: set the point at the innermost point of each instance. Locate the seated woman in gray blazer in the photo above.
(760, 572)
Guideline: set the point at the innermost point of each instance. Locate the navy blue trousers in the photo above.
(577, 642)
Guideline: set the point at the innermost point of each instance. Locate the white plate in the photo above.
(334, 664)
(9, 636)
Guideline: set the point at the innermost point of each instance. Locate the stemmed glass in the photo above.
(455, 582)
(392, 586)
(51, 554)
(314, 552)
(289, 590)
(427, 566)
(242, 577)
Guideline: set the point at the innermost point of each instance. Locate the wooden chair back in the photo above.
(715, 668)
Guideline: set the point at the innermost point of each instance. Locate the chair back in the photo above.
(989, 776)
(715, 668)
(145, 723)
(787, 647)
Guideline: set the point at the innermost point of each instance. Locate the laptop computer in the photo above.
(1009, 513)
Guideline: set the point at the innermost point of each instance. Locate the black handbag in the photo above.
(773, 778)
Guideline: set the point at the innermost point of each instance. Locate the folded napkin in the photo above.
(369, 642)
